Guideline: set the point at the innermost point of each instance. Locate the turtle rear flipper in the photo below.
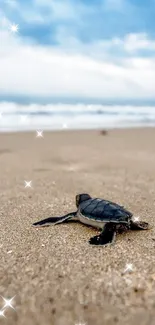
(139, 225)
(54, 220)
(106, 237)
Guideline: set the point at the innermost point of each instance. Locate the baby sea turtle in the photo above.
(99, 213)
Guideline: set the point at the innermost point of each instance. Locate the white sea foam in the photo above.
(16, 117)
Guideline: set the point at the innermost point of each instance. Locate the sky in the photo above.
(77, 51)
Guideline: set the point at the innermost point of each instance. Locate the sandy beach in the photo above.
(57, 278)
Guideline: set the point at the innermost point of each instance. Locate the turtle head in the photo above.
(82, 197)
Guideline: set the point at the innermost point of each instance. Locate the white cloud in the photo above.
(134, 42)
(85, 71)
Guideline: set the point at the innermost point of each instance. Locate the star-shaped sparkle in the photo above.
(14, 28)
(8, 303)
(129, 268)
(136, 219)
(39, 134)
(2, 313)
(28, 184)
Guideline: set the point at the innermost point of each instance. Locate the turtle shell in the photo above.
(104, 210)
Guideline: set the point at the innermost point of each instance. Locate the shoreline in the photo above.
(108, 129)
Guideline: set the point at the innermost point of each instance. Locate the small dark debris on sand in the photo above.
(103, 132)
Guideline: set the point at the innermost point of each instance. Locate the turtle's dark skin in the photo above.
(99, 213)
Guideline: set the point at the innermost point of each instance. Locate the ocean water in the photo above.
(15, 117)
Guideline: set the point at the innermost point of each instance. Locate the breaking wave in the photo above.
(16, 117)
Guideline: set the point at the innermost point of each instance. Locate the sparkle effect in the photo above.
(136, 219)
(39, 134)
(14, 28)
(129, 268)
(2, 313)
(8, 303)
(28, 184)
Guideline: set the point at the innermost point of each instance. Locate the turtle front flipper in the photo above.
(106, 237)
(139, 225)
(54, 220)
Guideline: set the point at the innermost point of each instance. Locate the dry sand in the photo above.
(57, 277)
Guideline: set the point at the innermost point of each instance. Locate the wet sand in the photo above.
(57, 278)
